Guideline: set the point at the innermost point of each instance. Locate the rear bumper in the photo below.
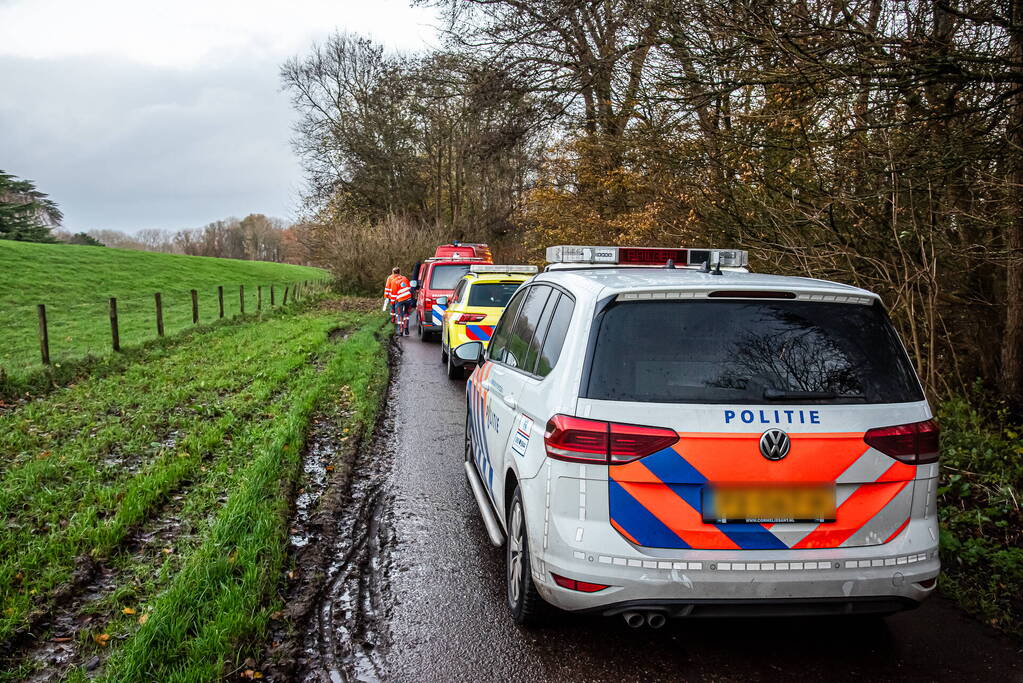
(428, 326)
(793, 607)
(756, 589)
(573, 538)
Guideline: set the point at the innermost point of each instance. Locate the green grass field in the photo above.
(76, 282)
(149, 505)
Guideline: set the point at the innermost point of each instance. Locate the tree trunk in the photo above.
(1012, 343)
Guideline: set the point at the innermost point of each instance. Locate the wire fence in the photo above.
(47, 333)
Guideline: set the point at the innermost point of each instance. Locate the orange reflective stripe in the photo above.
(857, 510)
(735, 457)
(675, 513)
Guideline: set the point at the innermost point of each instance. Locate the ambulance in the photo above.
(660, 433)
(475, 306)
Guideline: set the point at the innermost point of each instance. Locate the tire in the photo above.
(419, 328)
(454, 371)
(526, 605)
(443, 354)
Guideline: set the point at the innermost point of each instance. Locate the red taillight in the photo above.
(573, 585)
(594, 441)
(629, 442)
(470, 318)
(914, 444)
(576, 440)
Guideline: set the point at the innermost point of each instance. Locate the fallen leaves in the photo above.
(128, 610)
(250, 669)
(101, 639)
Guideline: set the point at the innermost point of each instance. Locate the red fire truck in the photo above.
(435, 281)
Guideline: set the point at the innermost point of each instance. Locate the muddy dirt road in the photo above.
(415, 591)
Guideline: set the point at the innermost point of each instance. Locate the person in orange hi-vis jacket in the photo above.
(399, 293)
(388, 301)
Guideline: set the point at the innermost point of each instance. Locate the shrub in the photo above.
(979, 507)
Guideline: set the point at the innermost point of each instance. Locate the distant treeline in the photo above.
(29, 215)
(253, 238)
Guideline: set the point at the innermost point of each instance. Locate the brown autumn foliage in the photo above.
(873, 142)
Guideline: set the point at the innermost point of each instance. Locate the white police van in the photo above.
(660, 433)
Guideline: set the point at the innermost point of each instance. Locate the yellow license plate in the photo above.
(752, 504)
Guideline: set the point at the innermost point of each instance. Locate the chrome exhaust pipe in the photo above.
(633, 619)
(655, 619)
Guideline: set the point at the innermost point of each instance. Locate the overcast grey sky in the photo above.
(142, 114)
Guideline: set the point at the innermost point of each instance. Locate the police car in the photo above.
(475, 306)
(660, 433)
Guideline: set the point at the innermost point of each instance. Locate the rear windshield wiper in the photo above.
(772, 394)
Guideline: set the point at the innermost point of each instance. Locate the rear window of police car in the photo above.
(750, 352)
(492, 294)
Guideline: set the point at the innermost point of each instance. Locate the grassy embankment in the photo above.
(150, 506)
(76, 282)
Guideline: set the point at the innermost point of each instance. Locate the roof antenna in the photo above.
(706, 267)
(717, 263)
(670, 265)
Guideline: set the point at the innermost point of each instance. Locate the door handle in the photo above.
(509, 401)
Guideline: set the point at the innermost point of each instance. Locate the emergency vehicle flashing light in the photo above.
(489, 268)
(647, 256)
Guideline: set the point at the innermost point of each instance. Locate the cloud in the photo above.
(130, 146)
(139, 114)
(187, 33)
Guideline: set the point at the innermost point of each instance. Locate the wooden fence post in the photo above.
(284, 302)
(159, 314)
(115, 335)
(271, 296)
(241, 298)
(195, 307)
(44, 335)
(220, 297)
(259, 297)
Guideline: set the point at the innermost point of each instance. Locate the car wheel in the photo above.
(419, 328)
(524, 601)
(454, 371)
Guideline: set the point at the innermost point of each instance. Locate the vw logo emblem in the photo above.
(774, 444)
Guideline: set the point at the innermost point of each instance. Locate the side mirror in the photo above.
(442, 301)
(469, 352)
(414, 283)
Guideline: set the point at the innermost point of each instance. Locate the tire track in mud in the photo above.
(350, 634)
(49, 645)
(334, 626)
